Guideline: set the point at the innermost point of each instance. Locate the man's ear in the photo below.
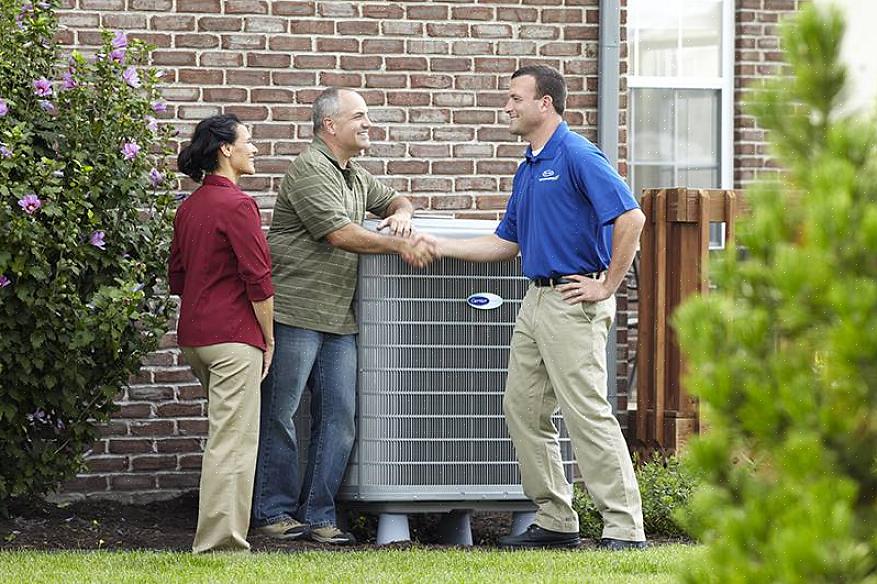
(329, 125)
(547, 102)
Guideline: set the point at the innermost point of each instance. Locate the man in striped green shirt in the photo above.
(315, 238)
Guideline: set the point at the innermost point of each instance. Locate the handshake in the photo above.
(420, 250)
(416, 249)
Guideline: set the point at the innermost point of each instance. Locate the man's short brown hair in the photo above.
(549, 81)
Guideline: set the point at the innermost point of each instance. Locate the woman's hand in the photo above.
(267, 357)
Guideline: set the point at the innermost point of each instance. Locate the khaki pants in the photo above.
(230, 372)
(558, 357)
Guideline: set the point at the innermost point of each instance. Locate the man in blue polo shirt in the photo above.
(576, 225)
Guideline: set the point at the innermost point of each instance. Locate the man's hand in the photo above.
(399, 224)
(421, 250)
(583, 289)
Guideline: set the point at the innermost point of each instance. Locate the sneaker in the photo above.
(537, 537)
(284, 529)
(331, 534)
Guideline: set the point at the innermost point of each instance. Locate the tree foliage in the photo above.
(784, 356)
(84, 231)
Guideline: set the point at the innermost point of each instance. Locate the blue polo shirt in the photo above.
(563, 203)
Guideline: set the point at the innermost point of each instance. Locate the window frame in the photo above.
(724, 84)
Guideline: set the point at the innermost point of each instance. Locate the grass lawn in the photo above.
(456, 566)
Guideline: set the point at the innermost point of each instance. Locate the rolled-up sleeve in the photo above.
(244, 232)
(176, 268)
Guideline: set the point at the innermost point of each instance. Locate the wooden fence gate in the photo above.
(674, 261)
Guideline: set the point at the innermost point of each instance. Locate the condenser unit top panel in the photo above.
(446, 227)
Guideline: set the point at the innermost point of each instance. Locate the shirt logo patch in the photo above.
(548, 175)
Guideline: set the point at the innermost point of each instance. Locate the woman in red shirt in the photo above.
(221, 269)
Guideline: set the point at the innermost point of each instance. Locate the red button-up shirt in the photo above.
(219, 264)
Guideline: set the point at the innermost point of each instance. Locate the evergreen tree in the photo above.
(784, 356)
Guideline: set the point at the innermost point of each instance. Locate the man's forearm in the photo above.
(399, 204)
(487, 248)
(356, 239)
(625, 237)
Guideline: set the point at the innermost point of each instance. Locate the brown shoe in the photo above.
(284, 529)
(331, 534)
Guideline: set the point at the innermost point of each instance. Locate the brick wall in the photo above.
(434, 76)
(757, 55)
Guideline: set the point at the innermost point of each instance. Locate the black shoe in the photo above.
(617, 545)
(537, 537)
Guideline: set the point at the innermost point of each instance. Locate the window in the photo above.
(681, 95)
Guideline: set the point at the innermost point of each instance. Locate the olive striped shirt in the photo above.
(315, 282)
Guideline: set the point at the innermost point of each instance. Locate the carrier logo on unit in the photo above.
(484, 301)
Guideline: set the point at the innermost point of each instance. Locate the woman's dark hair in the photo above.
(201, 156)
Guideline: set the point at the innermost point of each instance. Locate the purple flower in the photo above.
(131, 78)
(42, 87)
(159, 107)
(155, 177)
(4, 107)
(129, 150)
(151, 123)
(4, 281)
(48, 106)
(44, 5)
(69, 81)
(4, 151)
(117, 55)
(30, 203)
(120, 40)
(97, 239)
(38, 415)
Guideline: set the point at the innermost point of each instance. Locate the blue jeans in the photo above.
(326, 364)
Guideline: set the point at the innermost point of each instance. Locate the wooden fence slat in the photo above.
(660, 358)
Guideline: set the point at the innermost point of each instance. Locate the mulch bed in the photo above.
(170, 526)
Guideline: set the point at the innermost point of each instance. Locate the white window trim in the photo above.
(642, 82)
(727, 140)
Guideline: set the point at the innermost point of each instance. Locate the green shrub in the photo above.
(84, 232)
(784, 355)
(665, 485)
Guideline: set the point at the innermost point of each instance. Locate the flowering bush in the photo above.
(84, 230)
(784, 356)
